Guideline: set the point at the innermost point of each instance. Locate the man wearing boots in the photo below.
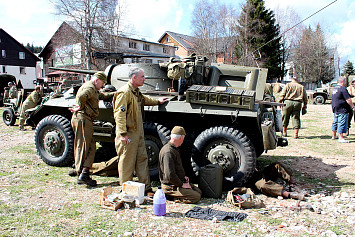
(293, 94)
(85, 111)
(266, 182)
(128, 109)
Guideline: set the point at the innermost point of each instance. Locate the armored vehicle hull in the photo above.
(221, 110)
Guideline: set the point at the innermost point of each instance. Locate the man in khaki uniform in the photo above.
(85, 111)
(171, 172)
(265, 181)
(128, 106)
(12, 91)
(351, 90)
(293, 94)
(30, 102)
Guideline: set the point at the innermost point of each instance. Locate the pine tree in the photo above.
(257, 28)
(348, 68)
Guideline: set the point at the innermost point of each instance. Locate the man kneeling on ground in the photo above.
(174, 183)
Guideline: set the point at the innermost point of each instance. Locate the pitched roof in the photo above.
(185, 41)
(21, 45)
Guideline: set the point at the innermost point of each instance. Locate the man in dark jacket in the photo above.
(171, 172)
(340, 105)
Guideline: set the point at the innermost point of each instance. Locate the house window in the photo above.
(22, 55)
(132, 45)
(22, 70)
(146, 47)
(167, 39)
(3, 53)
(135, 60)
(148, 60)
(165, 50)
(3, 69)
(52, 62)
(160, 61)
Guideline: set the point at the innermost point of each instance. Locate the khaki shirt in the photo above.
(126, 108)
(34, 97)
(351, 90)
(171, 171)
(13, 92)
(293, 91)
(88, 97)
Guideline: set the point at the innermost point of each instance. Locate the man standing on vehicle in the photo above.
(128, 106)
(85, 111)
(30, 102)
(340, 105)
(351, 90)
(171, 172)
(293, 94)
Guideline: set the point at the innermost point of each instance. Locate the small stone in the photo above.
(128, 234)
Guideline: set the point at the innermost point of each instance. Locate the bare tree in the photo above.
(290, 30)
(313, 60)
(213, 27)
(96, 21)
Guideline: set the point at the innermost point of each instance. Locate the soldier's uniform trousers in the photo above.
(184, 195)
(84, 144)
(27, 104)
(292, 109)
(271, 173)
(133, 157)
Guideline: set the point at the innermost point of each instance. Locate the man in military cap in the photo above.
(171, 172)
(294, 95)
(85, 111)
(128, 106)
(30, 102)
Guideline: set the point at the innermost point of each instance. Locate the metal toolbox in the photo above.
(221, 96)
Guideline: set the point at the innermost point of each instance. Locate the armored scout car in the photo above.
(220, 106)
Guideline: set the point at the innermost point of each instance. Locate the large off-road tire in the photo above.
(228, 147)
(9, 117)
(54, 139)
(319, 100)
(155, 136)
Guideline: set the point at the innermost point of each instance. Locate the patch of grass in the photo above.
(337, 230)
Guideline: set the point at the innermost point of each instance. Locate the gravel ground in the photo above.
(327, 177)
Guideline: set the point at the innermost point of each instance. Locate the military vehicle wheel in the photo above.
(319, 99)
(54, 139)
(155, 136)
(9, 117)
(228, 147)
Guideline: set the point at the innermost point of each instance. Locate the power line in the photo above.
(289, 29)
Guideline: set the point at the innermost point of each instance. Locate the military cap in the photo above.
(10, 83)
(101, 75)
(178, 130)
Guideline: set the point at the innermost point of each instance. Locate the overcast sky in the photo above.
(33, 21)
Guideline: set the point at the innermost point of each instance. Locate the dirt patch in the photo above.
(32, 190)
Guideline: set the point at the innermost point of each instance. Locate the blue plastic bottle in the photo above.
(159, 203)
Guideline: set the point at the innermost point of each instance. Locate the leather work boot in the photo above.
(73, 173)
(296, 132)
(284, 132)
(84, 178)
(297, 196)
